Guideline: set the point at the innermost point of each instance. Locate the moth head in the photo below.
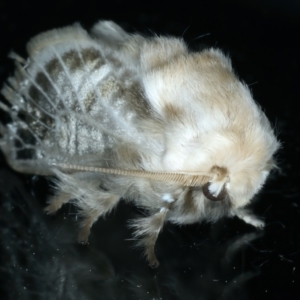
(236, 186)
(215, 189)
(243, 185)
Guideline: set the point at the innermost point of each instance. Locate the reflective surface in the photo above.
(39, 257)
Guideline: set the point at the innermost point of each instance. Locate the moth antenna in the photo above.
(184, 179)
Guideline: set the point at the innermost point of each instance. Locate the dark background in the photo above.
(39, 257)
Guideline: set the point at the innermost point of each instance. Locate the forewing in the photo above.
(73, 101)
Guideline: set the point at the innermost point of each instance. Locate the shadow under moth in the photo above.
(120, 116)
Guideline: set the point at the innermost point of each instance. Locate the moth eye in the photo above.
(210, 196)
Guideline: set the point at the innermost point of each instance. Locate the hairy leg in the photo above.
(91, 201)
(148, 229)
(92, 210)
(57, 201)
(249, 218)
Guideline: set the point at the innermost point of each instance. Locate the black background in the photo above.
(227, 260)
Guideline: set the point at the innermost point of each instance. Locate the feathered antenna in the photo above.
(184, 179)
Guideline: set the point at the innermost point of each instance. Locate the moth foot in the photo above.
(151, 257)
(252, 220)
(57, 202)
(52, 208)
(154, 263)
(83, 236)
(259, 224)
(85, 242)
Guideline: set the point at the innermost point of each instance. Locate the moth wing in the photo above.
(75, 100)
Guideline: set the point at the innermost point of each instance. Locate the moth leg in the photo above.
(92, 210)
(249, 218)
(56, 202)
(149, 228)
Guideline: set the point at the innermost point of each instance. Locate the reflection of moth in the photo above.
(117, 116)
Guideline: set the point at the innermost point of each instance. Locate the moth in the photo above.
(144, 119)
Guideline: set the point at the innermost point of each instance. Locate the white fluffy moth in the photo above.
(121, 116)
